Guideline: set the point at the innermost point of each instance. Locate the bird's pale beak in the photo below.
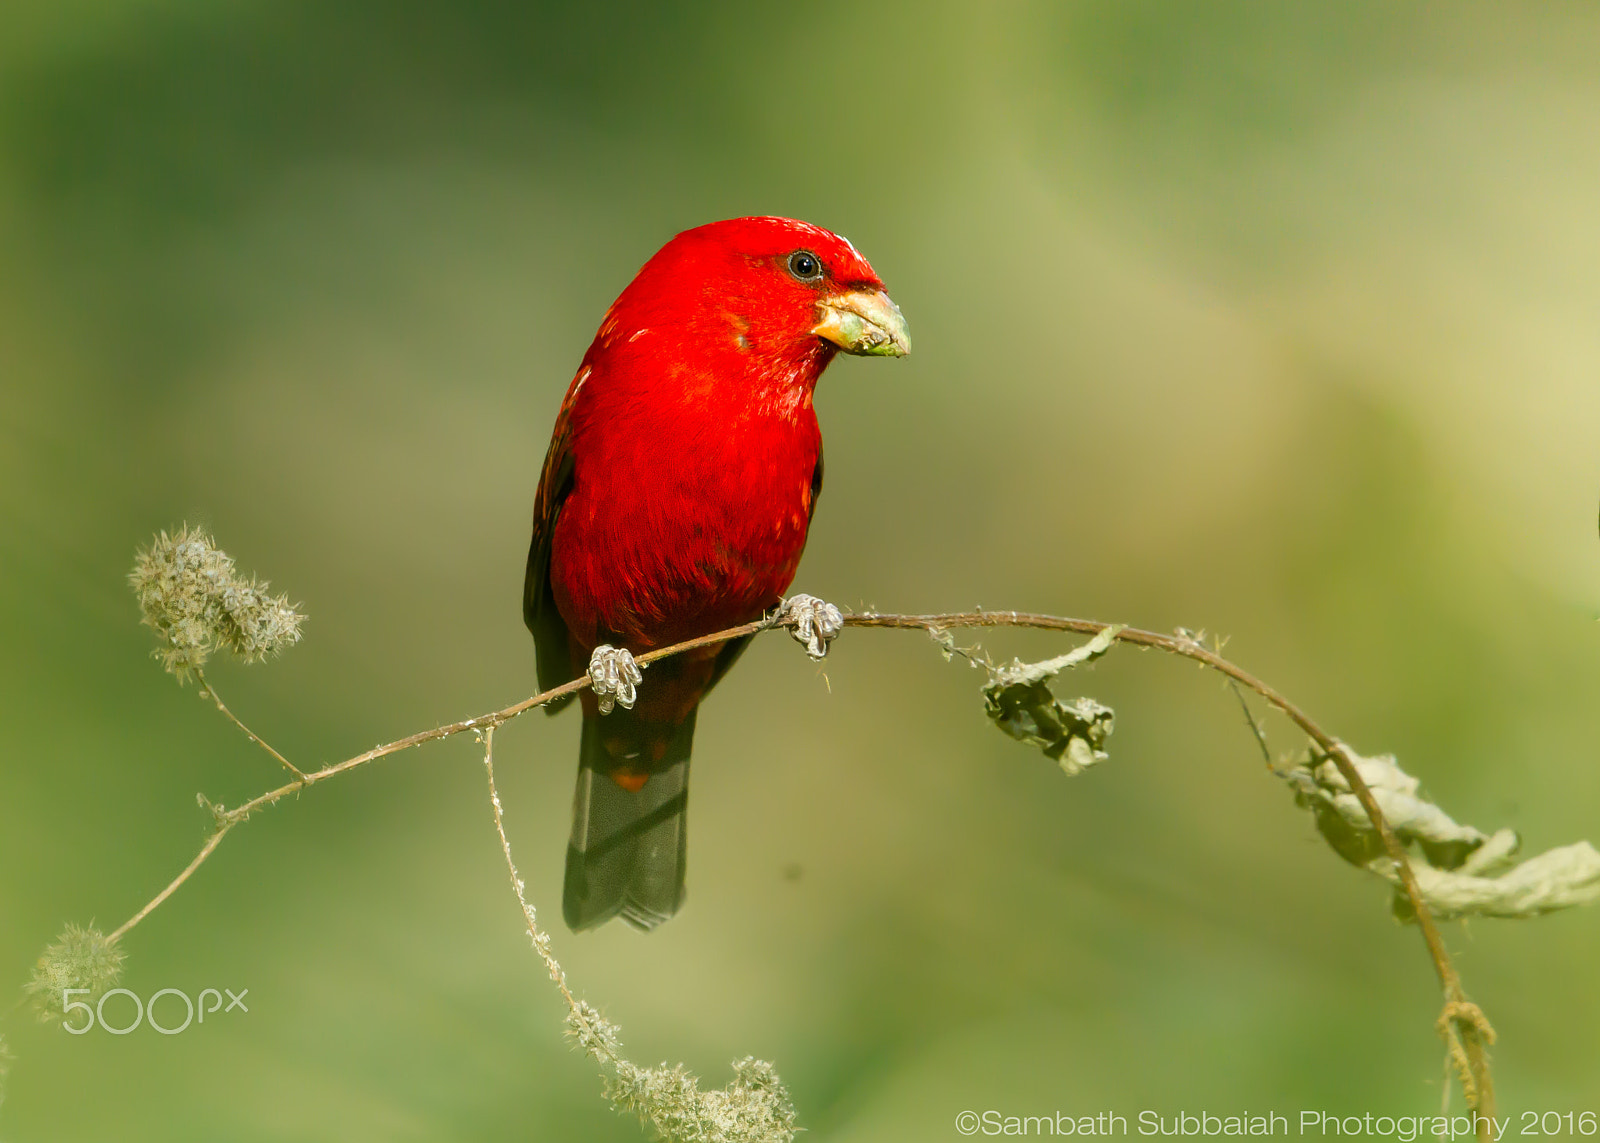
(865, 322)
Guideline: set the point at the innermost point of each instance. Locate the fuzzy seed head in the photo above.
(596, 1035)
(191, 594)
(81, 958)
(754, 1108)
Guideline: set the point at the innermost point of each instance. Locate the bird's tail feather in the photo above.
(626, 856)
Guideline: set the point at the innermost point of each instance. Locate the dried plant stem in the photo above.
(540, 939)
(210, 692)
(481, 723)
(1466, 1030)
(1255, 727)
(227, 819)
(541, 942)
(205, 851)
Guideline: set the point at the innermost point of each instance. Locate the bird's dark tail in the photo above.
(626, 856)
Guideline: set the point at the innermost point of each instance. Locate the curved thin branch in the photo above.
(208, 691)
(1462, 1021)
(205, 851)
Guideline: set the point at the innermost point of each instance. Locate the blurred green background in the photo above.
(1278, 320)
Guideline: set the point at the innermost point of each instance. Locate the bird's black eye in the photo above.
(805, 265)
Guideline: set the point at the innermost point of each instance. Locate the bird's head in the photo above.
(782, 295)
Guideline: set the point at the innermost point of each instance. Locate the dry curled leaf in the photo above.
(1019, 700)
(1460, 870)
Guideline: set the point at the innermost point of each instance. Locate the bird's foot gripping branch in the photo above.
(813, 622)
(614, 676)
(1367, 808)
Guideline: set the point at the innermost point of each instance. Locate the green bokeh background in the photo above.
(1277, 320)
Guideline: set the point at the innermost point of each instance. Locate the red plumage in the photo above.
(675, 499)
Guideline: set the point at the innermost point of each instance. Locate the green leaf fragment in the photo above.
(1019, 700)
(1019, 672)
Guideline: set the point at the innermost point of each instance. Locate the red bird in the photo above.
(681, 478)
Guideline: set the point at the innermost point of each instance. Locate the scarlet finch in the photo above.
(681, 478)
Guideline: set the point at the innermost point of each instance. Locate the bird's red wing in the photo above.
(538, 608)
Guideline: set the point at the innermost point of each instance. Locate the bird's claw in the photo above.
(614, 677)
(812, 622)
